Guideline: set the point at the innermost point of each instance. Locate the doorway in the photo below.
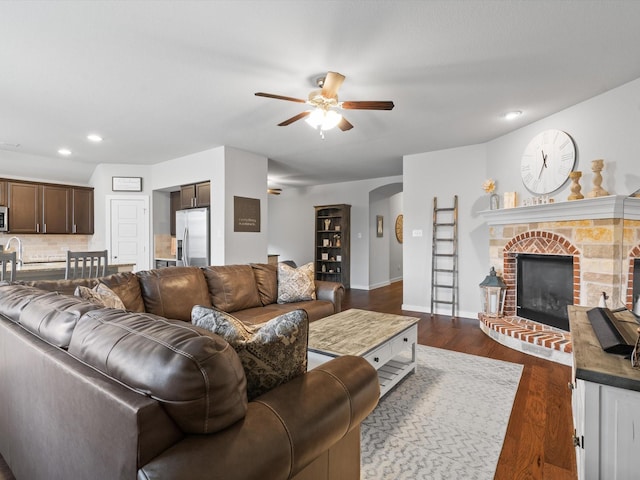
(128, 227)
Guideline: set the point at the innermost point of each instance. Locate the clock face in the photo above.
(399, 222)
(547, 161)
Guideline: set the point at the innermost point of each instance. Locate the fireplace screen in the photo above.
(545, 288)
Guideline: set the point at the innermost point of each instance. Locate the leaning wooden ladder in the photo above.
(444, 257)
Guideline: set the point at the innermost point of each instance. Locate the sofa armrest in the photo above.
(284, 430)
(332, 291)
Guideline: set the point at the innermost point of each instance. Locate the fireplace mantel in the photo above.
(612, 206)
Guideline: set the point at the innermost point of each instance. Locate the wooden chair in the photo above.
(4, 259)
(86, 264)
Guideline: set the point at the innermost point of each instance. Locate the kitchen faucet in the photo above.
(19, 259)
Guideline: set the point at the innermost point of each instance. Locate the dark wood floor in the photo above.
(538, 441)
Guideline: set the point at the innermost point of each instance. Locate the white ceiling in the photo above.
(160, 80)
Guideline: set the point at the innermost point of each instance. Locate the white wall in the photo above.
(443, 174)
(101, 181)
(606, 126)
(232, 172)
(291, 224)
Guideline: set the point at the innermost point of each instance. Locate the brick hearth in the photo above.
(529, 337)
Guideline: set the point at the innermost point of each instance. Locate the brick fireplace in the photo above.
(600, 234)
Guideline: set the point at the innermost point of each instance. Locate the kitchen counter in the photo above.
(56, 270)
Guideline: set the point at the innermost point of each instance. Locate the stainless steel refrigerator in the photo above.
(192, 237)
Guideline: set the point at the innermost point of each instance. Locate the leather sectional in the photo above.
(101, 393)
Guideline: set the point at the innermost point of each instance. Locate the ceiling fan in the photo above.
(325, 102)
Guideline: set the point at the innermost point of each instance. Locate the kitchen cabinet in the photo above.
(195, 195)
(174, 206)
(56, 203)
(605, 394)
(333, 243)
(3, 193)
(24, 214)
(49, 208)
(82, 211)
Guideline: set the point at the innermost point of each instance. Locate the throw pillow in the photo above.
(100, 295)
(296, 284)
(271, 354)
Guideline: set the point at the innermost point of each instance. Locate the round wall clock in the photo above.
(399, 222)
(547, 161)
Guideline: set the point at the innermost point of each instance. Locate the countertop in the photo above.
(56, 270)
(591, 362)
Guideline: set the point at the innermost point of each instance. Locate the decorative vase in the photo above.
(327, 224)
(494, 201)
(575, 186)
(598, 191)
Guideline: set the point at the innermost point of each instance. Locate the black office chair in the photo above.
(86, 264)
(4, 259)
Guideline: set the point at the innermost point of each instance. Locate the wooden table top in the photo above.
(355, 332)
(591, 362)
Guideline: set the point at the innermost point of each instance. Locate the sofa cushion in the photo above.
(100, 295)
(172, 292)
(14, 297)
(296, 284)
(53, 317)
(271, 354)
(266, 275)
(127, 286)
(232, 287)
(195, 375)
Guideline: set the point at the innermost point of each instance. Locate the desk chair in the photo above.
(86, 264)
(4, 259)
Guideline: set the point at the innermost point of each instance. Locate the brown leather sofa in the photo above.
(249, 292)
(100, 393)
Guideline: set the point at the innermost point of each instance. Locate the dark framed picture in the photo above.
(379, 225)
(126, 184)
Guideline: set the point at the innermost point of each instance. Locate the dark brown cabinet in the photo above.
(56, 203)
(333, 243)
(174, 206)
(49, 208)
(3, 193)
(195, 195)
(82, 211)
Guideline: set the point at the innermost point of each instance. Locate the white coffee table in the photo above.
(386, 341)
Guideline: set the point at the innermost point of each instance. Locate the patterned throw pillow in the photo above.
(296, 284)
(272, 353)
(100, 295)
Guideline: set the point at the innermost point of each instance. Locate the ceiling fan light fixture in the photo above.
(325, 119)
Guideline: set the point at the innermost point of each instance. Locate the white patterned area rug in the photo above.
(447, 421)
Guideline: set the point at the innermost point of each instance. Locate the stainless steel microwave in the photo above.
(4, 219)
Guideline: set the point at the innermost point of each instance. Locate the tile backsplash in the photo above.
(46, 248)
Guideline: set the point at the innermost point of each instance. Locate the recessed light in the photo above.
(64, 151)
(512, 115)
(94, 138)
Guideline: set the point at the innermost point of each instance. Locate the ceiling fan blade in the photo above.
(294, 119)
(344, 125)
(368, 105)
(280, 97)
(331, 84)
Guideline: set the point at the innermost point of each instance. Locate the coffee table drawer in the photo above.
(404, 341)
(380, 355)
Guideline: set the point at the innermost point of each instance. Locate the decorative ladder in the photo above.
(444, 257)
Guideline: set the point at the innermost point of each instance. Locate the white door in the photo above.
(129, 231)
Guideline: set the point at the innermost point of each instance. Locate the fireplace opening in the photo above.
(544, 288)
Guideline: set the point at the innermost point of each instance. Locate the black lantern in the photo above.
(493, 291)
